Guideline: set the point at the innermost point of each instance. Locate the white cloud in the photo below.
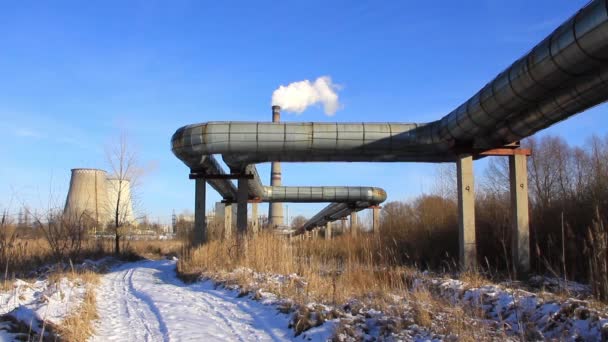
(298, 96)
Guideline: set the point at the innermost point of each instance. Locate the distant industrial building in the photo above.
(98, 197)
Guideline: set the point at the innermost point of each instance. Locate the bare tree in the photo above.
(65, 234)
(298, 221)
(124, 179)
(496, 177)
(445, 181)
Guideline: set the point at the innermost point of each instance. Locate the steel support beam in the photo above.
(466, 212)
(520, 233)
(200, 220)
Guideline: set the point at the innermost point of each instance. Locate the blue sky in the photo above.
(76, 74)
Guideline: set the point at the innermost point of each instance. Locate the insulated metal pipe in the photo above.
(311, 194)
(209, 166)
(552, 73)
(244, 143)
(563, 75)
(333, 212)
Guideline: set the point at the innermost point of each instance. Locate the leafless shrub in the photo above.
(65, 234)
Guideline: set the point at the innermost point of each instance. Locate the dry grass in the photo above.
(335, 272)
(32, 257)
(78, 326)
(422, 307)
(154, 249)
(26, 255)
(474, 279)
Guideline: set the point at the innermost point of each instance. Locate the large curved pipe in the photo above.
(552, 72)
(244, 143)
(563, 75)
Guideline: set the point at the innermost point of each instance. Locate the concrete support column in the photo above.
(328, 231)
(520, 233)
(315, 233)
(254, 218)
(200, 221)
(241, 209)
(376, 219)
(466, 212)
(354, 226)
(227, 220)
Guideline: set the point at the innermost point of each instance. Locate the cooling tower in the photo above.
(120, 189)
(275, 210)
(87, 195)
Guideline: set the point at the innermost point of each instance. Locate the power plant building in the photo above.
(93, 194)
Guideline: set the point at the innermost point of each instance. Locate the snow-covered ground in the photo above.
(37, 302)
(145, 301)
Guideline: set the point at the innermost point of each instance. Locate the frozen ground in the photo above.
(37, 302)
(145, 301)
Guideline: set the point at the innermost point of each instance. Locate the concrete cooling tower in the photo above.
(116, 187)
(88, 195)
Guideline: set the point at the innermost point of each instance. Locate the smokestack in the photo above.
(88, 195)
(276, 113)
(275, 210)
(116, 186)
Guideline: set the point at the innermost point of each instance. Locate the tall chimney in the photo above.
(275, 210)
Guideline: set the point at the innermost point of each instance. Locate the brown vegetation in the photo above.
(568, 206)
(340, 273)
(51, 248)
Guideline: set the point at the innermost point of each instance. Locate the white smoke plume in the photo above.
(298, 96)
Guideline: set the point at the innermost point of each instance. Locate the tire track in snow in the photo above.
(150, 303)
(144, 301)
(125, 318)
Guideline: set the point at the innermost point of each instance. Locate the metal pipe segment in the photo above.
(563, 75)
(312, 194)
(224, 187)
(559, 77)
(332, 212)
(244, 143)
(346, 198)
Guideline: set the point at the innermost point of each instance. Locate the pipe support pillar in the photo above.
(227, 220)
(254, 218)
(466, 212)
(200, 221)
(520, 225)
(241, 210)
(376, 219)
(354, 227)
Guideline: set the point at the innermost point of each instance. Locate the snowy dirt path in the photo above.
(145, 301)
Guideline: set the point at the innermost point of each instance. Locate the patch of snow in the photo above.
(41, 301)
(145, 301)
